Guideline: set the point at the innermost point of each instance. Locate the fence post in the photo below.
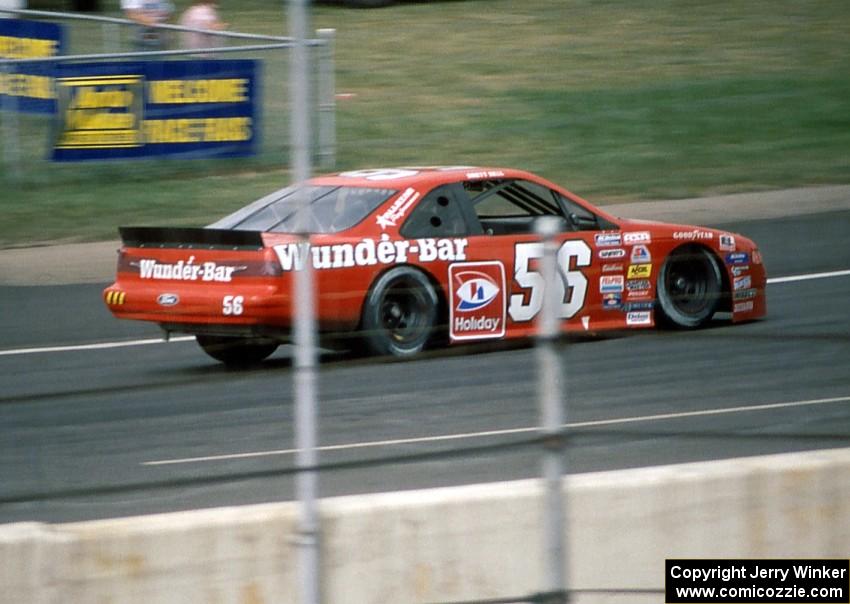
(111, 36)
(306, 411)
(9, 117)
(551, 417)
(327, 100)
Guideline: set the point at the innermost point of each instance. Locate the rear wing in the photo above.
(190, 238)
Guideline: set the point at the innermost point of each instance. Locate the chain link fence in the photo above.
(28, 137)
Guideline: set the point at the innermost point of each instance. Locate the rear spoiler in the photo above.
(191, 238)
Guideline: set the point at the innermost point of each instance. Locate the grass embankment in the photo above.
(617, 100)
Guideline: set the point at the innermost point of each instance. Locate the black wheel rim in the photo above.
(691, 283)
(404, 312)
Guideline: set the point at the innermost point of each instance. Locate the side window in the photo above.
(437, 215)
(511, 206)
(580, 218)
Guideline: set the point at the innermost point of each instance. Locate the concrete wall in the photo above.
(480, 541)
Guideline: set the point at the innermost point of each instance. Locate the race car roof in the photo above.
(416, 176)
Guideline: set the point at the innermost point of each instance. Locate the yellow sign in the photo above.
(640, 271)
(198, 130)
(26, 85)
(163, 92)
(100, 112)
(12, 47)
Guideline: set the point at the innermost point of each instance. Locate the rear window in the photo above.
(330, 210)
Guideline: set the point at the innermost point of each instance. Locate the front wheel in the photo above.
(400, 313)
(689, 287)
(236, 351)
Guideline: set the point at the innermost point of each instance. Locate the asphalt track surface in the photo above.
(103, 432)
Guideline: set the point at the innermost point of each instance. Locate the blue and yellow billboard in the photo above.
(29, 87)
(116, 110)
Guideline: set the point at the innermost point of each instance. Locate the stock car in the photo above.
(405, 258)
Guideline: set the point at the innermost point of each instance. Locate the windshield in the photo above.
(330, 210)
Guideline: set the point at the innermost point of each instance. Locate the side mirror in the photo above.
(583, 223)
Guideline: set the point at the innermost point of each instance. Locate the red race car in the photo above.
(408, 257)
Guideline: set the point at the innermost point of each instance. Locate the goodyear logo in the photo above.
(640, 271)
(115, 298)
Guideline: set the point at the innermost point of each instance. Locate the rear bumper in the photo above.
(174, 304)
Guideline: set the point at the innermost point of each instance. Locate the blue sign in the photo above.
(187, 109)
(29, 87)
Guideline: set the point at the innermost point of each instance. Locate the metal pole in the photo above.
(9, 117)
(327, 100)
(111, 34)
(304, 315)
(551, 416)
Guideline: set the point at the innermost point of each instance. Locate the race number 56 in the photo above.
(232, 305)
(571, 286)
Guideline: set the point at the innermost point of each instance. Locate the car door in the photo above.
(590, 284)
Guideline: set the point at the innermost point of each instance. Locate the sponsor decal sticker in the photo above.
(637, 306)
(640, 271)
(370, 252)
(638, 284)
(743, 282)
(612, 284)
(695, 235)
(640, 254)
(612, 254)
(727, 242)
(186, 270)
(639, 317)
(608, 240)
(612, 268)
(638, 288)
(743, 306)
(168, 299)
(746, 294)
(477, 300)
(737, 258)
(737, 271)
(611, 301)
(398, 210)
(637, 237)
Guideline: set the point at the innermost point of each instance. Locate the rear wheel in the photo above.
(236, 351)
(400, 313)
(689, 287)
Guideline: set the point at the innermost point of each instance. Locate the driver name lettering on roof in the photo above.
(486, 174)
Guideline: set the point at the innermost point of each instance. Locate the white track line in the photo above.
(506, 432)
(100, 346)
(807, 277)
(105, 345)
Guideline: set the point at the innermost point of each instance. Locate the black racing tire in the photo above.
(400, 313)
(236, 351)
(690, 287)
